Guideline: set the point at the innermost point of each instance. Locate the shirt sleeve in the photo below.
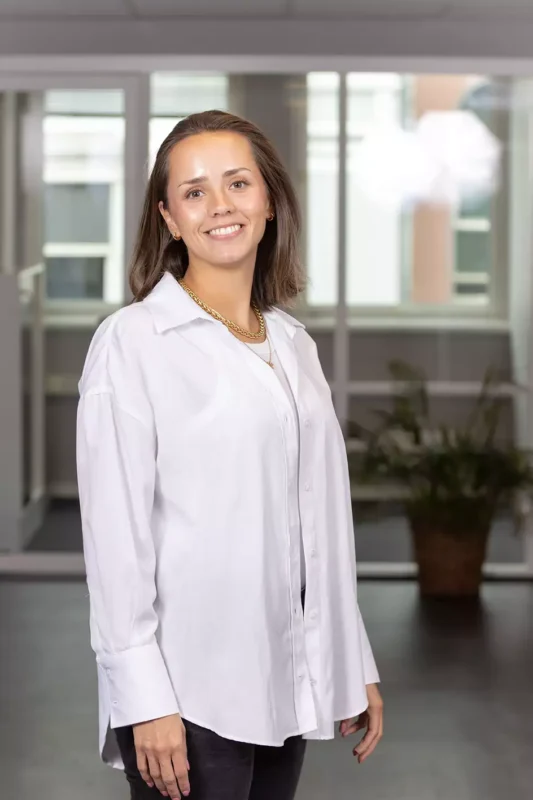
(116, 454)
(369, 665)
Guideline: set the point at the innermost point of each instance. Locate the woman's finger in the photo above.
(353, 728)
(181, 771)
(155, 772)
(368, 743)
(361, 720)
(142, 766)
(370, 746)
(169, 779)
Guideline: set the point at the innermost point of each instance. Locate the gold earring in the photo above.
(176, 236)
(271, 216)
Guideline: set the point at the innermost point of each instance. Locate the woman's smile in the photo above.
(226, 232)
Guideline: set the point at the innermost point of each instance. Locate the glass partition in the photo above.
(83, 140)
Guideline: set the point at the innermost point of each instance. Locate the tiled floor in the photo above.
(457, 681)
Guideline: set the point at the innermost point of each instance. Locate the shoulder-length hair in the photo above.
(279, 275)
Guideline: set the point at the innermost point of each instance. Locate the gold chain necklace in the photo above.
(227, 322)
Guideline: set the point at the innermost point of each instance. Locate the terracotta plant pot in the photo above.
(449, 563)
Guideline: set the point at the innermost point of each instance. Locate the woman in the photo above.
(214, 489)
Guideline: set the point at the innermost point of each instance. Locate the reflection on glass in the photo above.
(84, 194)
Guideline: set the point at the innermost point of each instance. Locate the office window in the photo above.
(423, 168)
(423, 172)
(322, 200)
(475, 231)
(374, 223)
(83, 195)
(72, 278)
(77, 212)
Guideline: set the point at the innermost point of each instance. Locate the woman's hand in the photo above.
(371, 720)
(161, 750)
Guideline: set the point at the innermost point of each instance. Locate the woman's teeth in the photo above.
(225, 231)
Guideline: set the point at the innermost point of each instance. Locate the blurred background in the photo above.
(406, 126)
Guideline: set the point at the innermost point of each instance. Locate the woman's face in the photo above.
(217, 198)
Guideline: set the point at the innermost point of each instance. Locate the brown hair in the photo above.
(278, 275)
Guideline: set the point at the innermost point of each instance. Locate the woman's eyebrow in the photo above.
(203, 178)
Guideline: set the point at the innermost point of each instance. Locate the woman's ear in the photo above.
(171, 225)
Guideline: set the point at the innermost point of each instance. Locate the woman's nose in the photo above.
(221, 205)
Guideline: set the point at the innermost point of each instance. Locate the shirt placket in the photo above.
(308, 528)
(304, 702)
(303, 693)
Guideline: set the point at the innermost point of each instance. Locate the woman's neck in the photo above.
(227, 290)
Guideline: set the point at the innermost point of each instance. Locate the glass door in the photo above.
(72, 173)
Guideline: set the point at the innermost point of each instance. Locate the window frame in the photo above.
(109, 251)
(28, 76)
(457, 311)
(137, 120)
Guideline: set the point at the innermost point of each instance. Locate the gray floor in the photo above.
(456, 678)
(379, 537)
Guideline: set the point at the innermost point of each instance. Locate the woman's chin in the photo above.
(230, 256)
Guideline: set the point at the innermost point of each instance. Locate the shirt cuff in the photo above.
(139, 685)
(371, 671)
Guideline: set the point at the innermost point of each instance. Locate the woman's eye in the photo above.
(240, 184)
(194, 194)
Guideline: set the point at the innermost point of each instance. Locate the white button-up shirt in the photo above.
(192, 562)
(292, 449)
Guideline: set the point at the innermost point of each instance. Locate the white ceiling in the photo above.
(273, 8)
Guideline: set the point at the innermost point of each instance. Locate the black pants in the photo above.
(221, 769)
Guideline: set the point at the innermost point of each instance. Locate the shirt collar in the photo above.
(171, 307)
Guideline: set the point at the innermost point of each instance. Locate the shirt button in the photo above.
(307, 423)
(307, 487)
(115, 702)
(313, 614)
(314, 553)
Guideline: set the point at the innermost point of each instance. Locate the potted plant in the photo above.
(456, 479)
